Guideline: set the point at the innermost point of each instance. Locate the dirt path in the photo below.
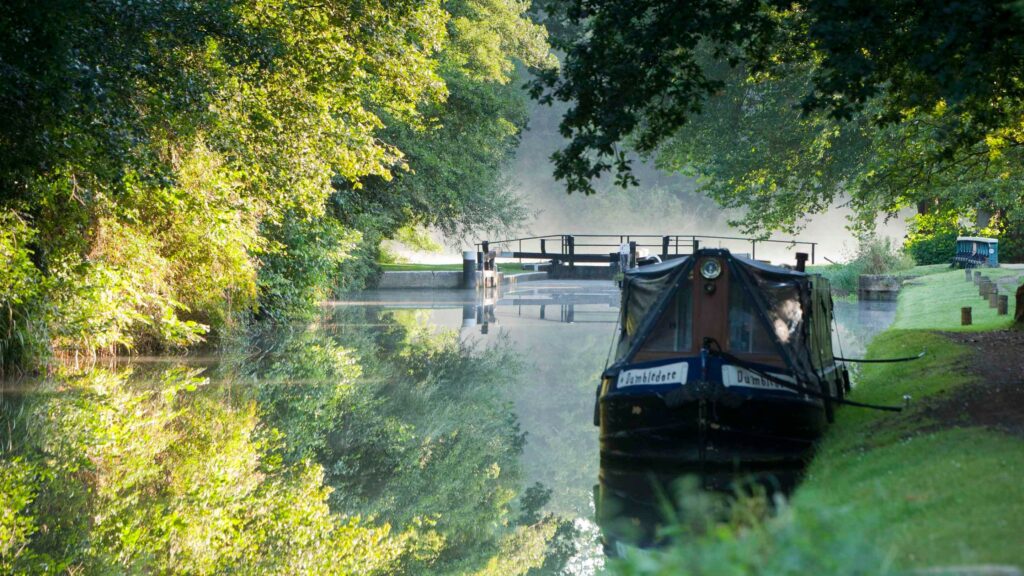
(996, 399)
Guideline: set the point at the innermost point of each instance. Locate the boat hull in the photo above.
(729, 430)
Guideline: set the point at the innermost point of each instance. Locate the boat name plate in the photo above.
(674, 373)
(736, 376)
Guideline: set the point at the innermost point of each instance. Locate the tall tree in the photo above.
(638, 72)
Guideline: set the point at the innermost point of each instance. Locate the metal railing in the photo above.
(603, 248)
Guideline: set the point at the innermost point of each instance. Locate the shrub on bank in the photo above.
(874, 256)
(790, 541)
(931, 238)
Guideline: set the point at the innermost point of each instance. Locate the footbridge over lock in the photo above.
(602, 256)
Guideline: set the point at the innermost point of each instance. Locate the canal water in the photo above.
(416, 432)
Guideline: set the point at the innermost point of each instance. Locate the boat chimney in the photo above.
(801, 261)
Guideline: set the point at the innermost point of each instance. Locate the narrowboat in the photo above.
(721, 359)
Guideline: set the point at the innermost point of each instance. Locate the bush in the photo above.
(1011, 239)
(879, 256)
(788, 542)
(874, 256)
(932, 237)
(22, 317)
(301, 266)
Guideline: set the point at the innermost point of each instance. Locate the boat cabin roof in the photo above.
(977, 239)
(758, 311)
(656, 270)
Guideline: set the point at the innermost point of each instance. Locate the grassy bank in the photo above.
(942, 489)
(933, 302)
(844, 278)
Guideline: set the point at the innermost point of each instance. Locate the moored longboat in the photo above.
(721, 359)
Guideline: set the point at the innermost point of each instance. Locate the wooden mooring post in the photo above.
(965, 316)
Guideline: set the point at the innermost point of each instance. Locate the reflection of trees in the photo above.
(115, 473)
(299, 460)
(411, 425)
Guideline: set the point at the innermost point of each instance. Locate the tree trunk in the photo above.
(1018, 317)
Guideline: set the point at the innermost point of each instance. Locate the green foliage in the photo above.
(786, 112)
(634, 70)
(18, 482)
(174, 169)
(136, 475)
(298, 268)
(22, 316)
(932, 237)
(417, 239)
(791, 541)
(874, 256)
(456, 180)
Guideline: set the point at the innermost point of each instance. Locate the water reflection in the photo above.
(649, 508)
(857, 323)
(417, 433)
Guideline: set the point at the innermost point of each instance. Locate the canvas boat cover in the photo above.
(794, 307)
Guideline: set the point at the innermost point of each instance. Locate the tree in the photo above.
(639, 72)
(177, 166)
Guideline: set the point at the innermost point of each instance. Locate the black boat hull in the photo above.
(735, 430)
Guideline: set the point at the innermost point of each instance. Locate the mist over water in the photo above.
(663, 204)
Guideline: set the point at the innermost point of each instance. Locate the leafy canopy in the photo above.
(801, 103)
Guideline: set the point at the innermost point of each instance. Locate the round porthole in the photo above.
(710, 269)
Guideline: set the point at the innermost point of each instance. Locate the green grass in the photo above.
(933, 302)
(845, 278)
(927, 270)
(508, 268)
(942, 493)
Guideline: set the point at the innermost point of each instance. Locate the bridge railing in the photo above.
(571, 249)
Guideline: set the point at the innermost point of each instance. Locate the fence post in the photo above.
(1004, 304)
(543, 246)
(967, 272)
(632, 253)
(753, 249)
(696, 245)
(965, 316)
(664, 247)
(572, 250)
(486, 249)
